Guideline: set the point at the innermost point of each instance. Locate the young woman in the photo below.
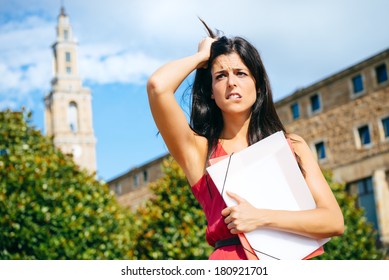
(232, 108)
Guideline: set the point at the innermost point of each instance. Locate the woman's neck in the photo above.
(234, 136)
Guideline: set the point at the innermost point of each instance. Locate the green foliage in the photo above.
(171, 225)
(359, 241)
(49, 208)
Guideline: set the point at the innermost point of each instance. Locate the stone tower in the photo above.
(68, 106)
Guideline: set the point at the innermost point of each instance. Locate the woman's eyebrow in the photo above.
(232, 68)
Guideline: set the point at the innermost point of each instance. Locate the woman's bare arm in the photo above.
(183, 144)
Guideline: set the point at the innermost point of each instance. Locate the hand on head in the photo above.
(204, 48)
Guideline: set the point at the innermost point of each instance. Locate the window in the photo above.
(66, 34)
(385, 126)
(68, 70)
(67, 56)
(320, 150)
(145, 176)
(381, 73)
(315, 103)
(118, 189)
(357, 84)
(73, 117)
(136, 180)
(364, 190)
(295, 111)
(364, 135)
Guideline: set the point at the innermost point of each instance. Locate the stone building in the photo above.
(345, 120)
(131, 188)
(68, 106)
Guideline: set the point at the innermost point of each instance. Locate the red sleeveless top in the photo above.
(212, 203)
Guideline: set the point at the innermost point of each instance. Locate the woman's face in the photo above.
(233, 86)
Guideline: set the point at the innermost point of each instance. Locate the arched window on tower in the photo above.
(66, 34)
(73, 117)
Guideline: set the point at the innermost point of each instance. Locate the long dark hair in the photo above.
(206, 117)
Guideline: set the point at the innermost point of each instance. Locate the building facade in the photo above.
(345, 120)
(68, 106)
(131, 188)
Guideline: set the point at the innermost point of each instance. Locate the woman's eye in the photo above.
(220, 76)
(241, 74)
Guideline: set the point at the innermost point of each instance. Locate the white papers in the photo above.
(266, 174)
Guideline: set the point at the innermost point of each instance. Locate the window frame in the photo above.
(135, 180)
(292, 106)
(358, 139)
(145, 175)
(118, 188)
(73, 117)
(355, 94)
(376, 74)
(381, 128)
(316, 150)
(66, 34)
(320, 109)
(68, 56)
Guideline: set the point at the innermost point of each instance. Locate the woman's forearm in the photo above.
(315, 223)
(169, 77)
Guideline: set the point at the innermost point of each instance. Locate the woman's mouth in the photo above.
(234, 96)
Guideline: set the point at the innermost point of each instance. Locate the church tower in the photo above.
(68, 106)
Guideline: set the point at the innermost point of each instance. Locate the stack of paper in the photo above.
(266, 174)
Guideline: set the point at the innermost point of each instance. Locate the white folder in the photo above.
(267, 175)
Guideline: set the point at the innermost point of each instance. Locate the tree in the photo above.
(171, 225)
(359, 241)
(49, 208)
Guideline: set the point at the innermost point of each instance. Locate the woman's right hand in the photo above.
(204, 48)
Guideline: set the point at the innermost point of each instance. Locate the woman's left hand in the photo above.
(242, 217)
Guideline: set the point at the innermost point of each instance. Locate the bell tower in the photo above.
(68, 106)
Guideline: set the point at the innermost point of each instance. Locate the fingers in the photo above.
(236, 197)
(226, 211)
(236, 217)
(230, 222)
(205, 45)
(228, 219)
(233, 228)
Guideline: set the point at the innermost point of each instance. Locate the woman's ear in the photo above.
(212, 97)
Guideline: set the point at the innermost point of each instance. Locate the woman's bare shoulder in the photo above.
(294, 137)
(298, 143)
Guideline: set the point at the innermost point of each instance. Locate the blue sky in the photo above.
(122, 42)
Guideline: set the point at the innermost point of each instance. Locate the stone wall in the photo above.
(131, 188)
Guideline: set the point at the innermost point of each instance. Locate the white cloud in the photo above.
(9, 78)
(110, 64)
(24, 60)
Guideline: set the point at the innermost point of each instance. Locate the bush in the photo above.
(49, 208)
(172, 224)
(359, 241)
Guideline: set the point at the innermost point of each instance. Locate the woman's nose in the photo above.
(231, 81)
